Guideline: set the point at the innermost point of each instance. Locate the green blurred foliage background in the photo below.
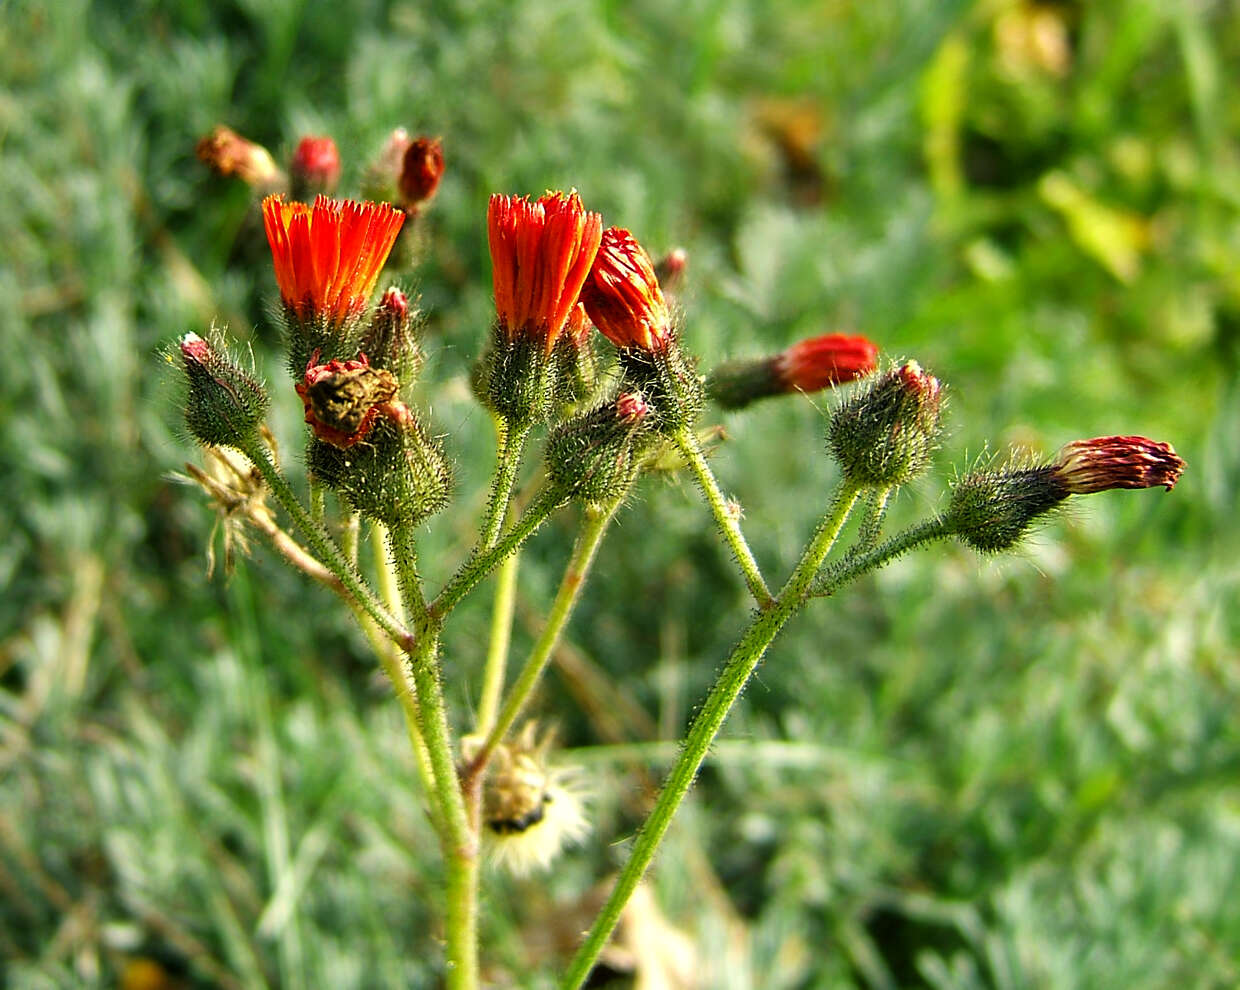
(959, 773)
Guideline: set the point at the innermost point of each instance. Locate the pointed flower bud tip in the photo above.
(343, 399)
(1103, 463)
(670, 269)
(315, 165)
(421, 169)
(224, 404)
(328, 256)
(622, 295)
(541, 253)
(228, 154)
(631, 407)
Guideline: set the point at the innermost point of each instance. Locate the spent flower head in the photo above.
(342, 399)
(228, 154)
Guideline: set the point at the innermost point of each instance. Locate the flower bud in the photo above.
(390, 340)
(670, 269)
(315, 167)
(808, 366)
(884, 434)
(421, 170)
(594, 457)
(1103, 463)
(228, 154)
(224, 406)
(381, 180)
(397, 475)
(990, 511)
(575, 362)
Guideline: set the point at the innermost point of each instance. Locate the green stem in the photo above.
(727, 519)
(597, 519)
(481, 562)
(501, 634)
(326, 549)
(727, 688)
(509, 442)
(853, 567)
(459, 837)
(318, 506)
(350, 536)
(872, 520)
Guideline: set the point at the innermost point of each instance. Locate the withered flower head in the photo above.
(622, 295)
(227, 153)
(541, 253)
(328, 256)
(1103, 463)
(342, 399)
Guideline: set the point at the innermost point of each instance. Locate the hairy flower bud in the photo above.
(397, 474)
(390, 341)
(575, 364)
(992, 510)
(808, 366)
(594, 457)
(228, 154)
(315, 167)
(224, 406)
(884, 434)
(421, 169)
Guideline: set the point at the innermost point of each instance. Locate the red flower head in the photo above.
(316, 163)
(342, 399)
(1087, 466)
(821, 362)
(327, 257)
(622, 295)
(420, 172)
(541, 253)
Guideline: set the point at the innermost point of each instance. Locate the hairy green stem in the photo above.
(326, 549)
(458, 837)
(726, 517)
(481, 562)
(853, 567)
(598, 517)
(501, 634)
(727, 688)
(872, 520)
(509, 442)
(350, 536)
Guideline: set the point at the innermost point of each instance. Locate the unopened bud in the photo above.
(1104, 463)
(381, 181)
(421, 170)
(575, 361)
(228, 154)
(990, 511)
(390, 340)
(315, 167)
(670, 269)
(225, 405)
(808, 366)
(885, 433)
(594, 457)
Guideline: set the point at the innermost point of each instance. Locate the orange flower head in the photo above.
(541, 253)
(328, 256)
(622, 295)
(821, 362)
(1103, 463)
